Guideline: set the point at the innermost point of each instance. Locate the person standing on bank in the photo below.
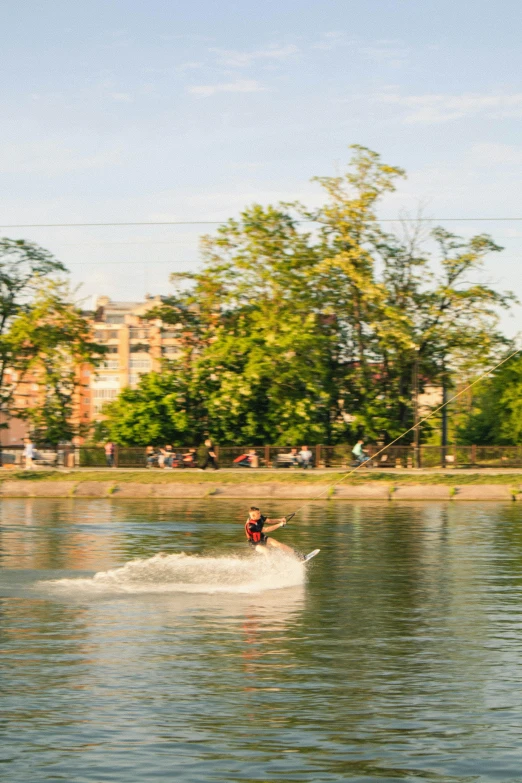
(305, 457)
(28, 453)
(109, 454)
(209, 456)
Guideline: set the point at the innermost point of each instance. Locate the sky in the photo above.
(127, 111)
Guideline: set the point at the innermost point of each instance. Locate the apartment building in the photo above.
(135, 345)
(28, 392)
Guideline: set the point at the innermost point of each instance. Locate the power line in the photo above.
(222, 222)
(175, 242)
(103, 263)
(134, 223)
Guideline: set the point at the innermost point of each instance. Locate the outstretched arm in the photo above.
(274, 524)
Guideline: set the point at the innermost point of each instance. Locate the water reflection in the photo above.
(398, 659)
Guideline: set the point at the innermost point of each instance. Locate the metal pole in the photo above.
(444, 427)
(416, 456)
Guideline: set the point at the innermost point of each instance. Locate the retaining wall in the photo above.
(251, 492)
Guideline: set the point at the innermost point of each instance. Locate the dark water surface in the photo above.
(395, 657)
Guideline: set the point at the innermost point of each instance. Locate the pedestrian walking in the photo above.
(208, 456)
(109, 454)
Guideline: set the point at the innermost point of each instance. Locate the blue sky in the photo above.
(129, 111)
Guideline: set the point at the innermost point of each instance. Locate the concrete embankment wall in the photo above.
(251, 492)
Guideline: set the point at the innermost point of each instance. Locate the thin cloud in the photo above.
(331, 40)
(432, 109)
(242, 85)
(192, 65)
(121, 97)
(53, 157)
(235, 59)
(185, 37)
(491, 153)
(119, 39)
(387, 52)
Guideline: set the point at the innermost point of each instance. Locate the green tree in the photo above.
(495, 415)
(393, 310)
(310, 331)
(53, 340)
(23, 266)
(447, 320)
(154, 413)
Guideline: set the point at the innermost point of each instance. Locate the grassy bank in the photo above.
(225, 477)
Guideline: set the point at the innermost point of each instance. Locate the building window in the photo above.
(169, 350)
(110, 364)
(105, 394)
(139, 348)
(172, 332)
(140, 334)
(112, 349)
(115, 319)
(108, 335)
(139, 363)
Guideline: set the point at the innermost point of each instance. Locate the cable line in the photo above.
(350, 472)
(222, 222)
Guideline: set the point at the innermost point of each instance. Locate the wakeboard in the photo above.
(310, 555)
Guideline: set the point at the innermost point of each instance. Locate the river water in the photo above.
(396, 655)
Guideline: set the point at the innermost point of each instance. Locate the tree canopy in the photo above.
(43, 335)
(53, 340)
(23, 267)
(495, 415)
(306, 325)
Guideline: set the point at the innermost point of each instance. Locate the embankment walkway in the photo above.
(486, 484)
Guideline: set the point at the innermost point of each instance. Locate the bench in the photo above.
(289, 461)
(45, 458)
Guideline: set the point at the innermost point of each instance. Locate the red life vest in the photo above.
(255, 536)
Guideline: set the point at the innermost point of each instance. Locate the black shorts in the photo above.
(258, 543)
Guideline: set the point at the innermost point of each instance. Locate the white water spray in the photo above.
(181, 573)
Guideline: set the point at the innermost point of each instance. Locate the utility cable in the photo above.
(415, 426)
(224, 221)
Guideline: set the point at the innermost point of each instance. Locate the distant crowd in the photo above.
(168, 457)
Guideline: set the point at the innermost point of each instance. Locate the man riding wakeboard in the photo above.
(257, 526)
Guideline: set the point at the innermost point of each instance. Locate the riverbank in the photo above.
(487, 484)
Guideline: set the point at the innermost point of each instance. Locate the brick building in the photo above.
(134, 344)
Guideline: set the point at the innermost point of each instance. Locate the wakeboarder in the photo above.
(256, 528)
